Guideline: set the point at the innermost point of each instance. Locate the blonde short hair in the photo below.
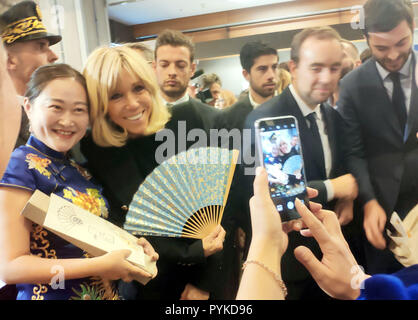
(102, 72)
(284, 79)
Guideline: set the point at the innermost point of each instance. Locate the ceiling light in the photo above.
(121, 3)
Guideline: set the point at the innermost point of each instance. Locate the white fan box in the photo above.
(85, 230)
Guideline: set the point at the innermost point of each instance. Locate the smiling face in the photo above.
(284, 147)
(316, 75)
(59, 115)
(130, 105)
(391, 49)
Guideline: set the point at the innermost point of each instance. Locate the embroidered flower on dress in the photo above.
(91, 201)
(38, 163)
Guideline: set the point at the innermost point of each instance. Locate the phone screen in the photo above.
(281, 154)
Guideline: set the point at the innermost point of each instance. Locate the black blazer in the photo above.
(385, 166)
(234, 116)
(233, 119)
(122, 170)
(283, 105)
(24, 133)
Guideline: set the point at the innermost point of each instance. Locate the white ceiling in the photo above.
(132, 12)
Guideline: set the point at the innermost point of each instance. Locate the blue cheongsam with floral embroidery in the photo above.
(36, 166)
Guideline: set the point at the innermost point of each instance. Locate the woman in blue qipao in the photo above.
(41, 264)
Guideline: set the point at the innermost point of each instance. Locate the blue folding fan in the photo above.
(293, 165)
(185, 196)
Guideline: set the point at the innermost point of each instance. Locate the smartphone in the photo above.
(280, 152)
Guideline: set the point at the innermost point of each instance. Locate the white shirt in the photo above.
(253, 103)
(184, 98)
(306, 110)
(405, 77)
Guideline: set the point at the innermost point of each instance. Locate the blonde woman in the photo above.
(30, 256)
(283, 80)
(126, 115)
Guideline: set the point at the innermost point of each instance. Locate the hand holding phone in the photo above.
(280, 151)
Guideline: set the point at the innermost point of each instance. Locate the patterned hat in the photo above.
(23, 22)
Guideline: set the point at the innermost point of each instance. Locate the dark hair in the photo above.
(174, 38)
(251, 51)
(45, 74)
(316, 32)
(385, 15)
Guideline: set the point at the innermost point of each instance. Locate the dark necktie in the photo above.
(398, 99)
(317, 147)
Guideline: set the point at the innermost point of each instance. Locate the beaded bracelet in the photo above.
(276, 276)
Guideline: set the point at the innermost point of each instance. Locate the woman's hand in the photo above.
(265, 220)
(148, 249)
(338, 273)
(114, 266)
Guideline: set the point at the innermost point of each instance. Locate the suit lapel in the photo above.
(385, 111)
(330, 130)
(412, 124)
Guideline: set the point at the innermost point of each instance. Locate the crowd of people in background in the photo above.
(92, 135)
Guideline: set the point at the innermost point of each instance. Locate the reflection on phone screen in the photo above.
(283, 161)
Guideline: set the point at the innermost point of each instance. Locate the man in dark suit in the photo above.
(315, 65)
(379, 105)
(174, 66)
(259, 64)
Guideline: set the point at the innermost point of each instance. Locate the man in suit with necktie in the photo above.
(259, 67)
(316, 57)
(259, 64)
(379, 105)
(174, 66)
